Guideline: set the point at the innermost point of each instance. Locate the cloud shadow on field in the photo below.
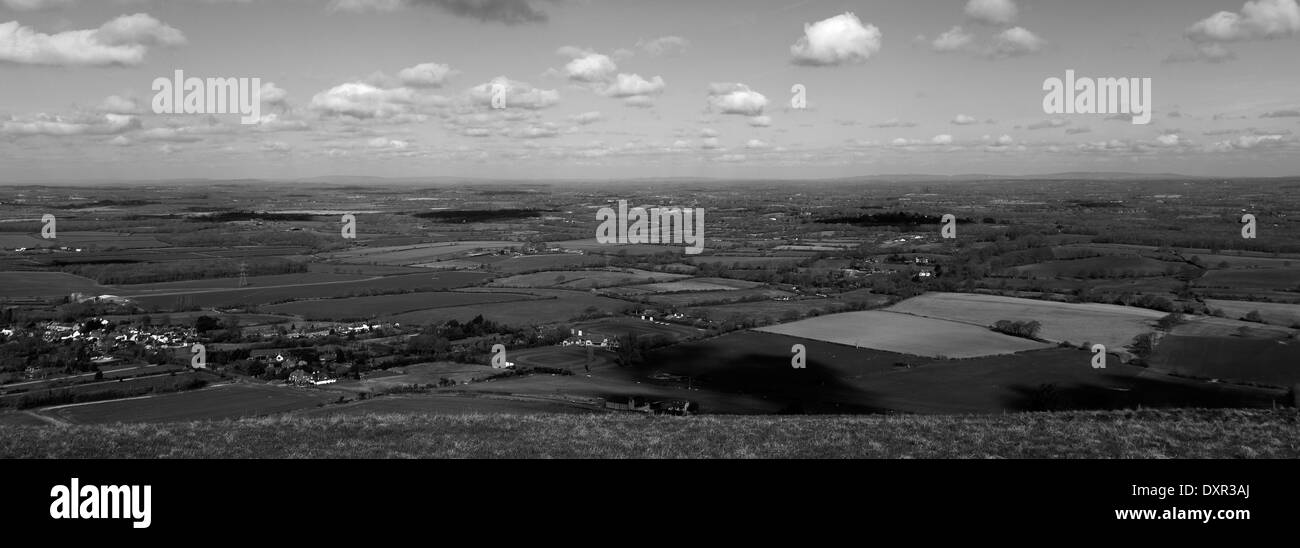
(815, 389)
(1133, 392)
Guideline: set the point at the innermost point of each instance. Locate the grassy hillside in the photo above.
(1114, 434)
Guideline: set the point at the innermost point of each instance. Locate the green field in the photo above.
(415, 254)
(1268, 361)
(905, 334)
(511, 264)
(214, 403)
(233, 283)
(1107, 267)
(1111, 325)
(622, 325)
(388, 305)
(1122, 434)
(47, 284)
(701, 297)
(269, 295)
(85, 240)
(1275, 313)
(1252, 278)
(556, 305)
(586, 279)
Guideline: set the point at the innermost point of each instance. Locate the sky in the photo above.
(626, 89)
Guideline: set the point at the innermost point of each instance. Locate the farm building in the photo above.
(628, 403)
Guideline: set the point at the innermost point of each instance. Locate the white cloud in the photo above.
(1209, 52)
(836, 41)
(1259, 19)
(628, 85)
(943, 139)
(1049, 123)
(274, 95)
(760, 121)
(518, 94)
(736, 99)
(35, 5)
(122, 41)
(639, 101)
(586, 118)
(1249, 142)
(116, 104)
(276, 146)
(386, 143)
(536, 132)
(1014, 42)
(956, 39)
(588, 66)
(364, 101)
(961, 120)
(895, 122)
(664, 45)
(993, 12)
(426, 75)
(508, 12)
(755, 143)
(77, 124)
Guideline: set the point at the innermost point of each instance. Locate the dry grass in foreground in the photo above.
(1189, 433)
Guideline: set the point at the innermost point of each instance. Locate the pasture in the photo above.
(1270, 361)
(275, 294)
(1103, 267)
(1112, 325)
(1275, 313)
(699, 284)
(253, 281)
(694, 298)
(905, 334)
(554, 305)
(771, 311)
(416, 254)
(516, 264)
(388, 305)
(47, 284)
(590, 245)
(586, 279)
(1252, 278)
(621, 325)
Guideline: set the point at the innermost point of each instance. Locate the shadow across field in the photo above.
(1134, 392)
(818, 388)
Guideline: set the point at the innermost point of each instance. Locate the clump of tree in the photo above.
(1142, 347)
(1026, 329)
(1171, 320)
